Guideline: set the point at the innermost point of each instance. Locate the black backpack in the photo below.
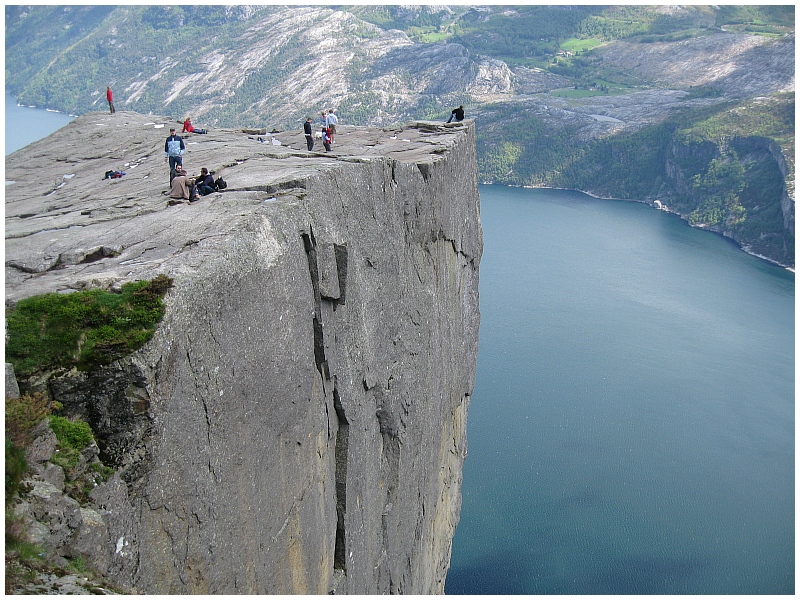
(220, 184)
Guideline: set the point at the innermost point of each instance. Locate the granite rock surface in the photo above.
(298, 422)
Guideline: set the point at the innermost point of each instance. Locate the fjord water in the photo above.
(25, 124)
(632, 425)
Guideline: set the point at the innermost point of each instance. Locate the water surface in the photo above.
(632, 426)
(25, 124)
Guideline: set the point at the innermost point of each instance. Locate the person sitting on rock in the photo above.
(457, 113)
(174, 172)
(182, 186)
(205, 182)
(188, 127)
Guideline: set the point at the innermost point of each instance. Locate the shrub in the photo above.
(16, 465)
(102, 470)
(23, 414)
(75, 435)
(83, 329)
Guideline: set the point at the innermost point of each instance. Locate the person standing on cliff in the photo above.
(309, 134)
(173, 149)
(457, 113)
(110, 98)
(332, 120)
(326, 139)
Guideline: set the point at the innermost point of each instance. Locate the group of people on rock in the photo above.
(183, 187)
(329, 121)
(190, 188)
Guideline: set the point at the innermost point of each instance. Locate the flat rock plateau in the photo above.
(297, 423)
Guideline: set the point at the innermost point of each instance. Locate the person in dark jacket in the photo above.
(457, 113)
(173, 149)
(309, 134)
(205, 182)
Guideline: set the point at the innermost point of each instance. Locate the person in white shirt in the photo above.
(332, 120)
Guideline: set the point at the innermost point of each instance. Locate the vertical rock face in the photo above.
(306, 394)
(312, 391)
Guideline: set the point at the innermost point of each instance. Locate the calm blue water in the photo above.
(632, 426)
(25, 125)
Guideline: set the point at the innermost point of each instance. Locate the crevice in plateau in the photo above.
(310, 246)
(340, 251)
(342, 442)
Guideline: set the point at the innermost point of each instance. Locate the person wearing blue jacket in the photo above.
(173, 149)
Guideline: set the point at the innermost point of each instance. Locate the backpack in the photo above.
(220, 184)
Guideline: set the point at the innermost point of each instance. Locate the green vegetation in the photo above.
(765, 117)
(723, 152)
(75, 435)
(618, 22)
(16, 466)
(718, 189)
(24, 560)
(22, 415)
(580, 44)
(775, 17)
(83, 329)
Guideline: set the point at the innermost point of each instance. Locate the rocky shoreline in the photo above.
(662, 208)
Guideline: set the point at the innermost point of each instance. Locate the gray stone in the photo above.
(120, 548)
(60, 513)
(12, 389)
(90, 541)
(54, 475)
(43, 446)
(302, 405)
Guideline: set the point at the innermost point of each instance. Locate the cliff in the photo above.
(297, 422)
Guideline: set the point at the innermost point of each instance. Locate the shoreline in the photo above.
(663, 209)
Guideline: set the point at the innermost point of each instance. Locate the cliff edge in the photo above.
(297, 423)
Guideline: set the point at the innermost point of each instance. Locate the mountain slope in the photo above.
(543, 83)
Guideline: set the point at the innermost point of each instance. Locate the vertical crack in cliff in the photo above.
(342, 442)
(340, 252)
(310, 245)
(205, 413)
(389, 427)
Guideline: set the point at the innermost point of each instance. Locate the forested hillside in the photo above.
(646, 103)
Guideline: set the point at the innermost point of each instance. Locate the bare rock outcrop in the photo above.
(300, 414)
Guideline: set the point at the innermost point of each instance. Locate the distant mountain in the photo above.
(557, 91)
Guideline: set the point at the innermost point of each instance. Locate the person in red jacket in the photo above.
(187, 125)
(110, 98)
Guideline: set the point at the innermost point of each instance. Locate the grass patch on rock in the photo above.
(83, 329)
